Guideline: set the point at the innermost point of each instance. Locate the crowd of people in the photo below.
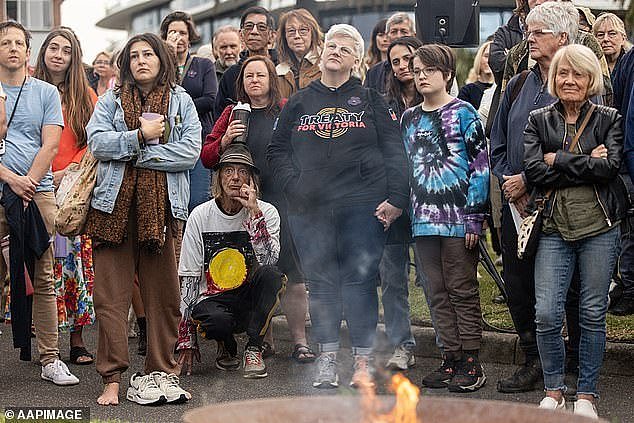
(295, 169)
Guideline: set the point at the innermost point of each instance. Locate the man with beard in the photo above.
(226, 46)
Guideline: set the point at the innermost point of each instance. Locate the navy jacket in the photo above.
(622, 82)
(201, 85)
(377, 77)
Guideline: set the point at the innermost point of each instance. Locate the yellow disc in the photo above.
(228, 269)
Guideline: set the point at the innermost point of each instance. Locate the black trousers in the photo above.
(519, 276)
(247, 308)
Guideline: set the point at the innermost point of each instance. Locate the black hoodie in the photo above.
(339, 147)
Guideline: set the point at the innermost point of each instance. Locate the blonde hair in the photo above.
(474, 72)
(216, 185)
(582, 59)
(616, 22)
(345, 30)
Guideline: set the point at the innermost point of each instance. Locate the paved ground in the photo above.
(20, 385)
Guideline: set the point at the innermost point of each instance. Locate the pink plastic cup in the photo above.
(151, 116)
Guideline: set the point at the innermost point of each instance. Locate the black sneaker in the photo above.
(468, 375)
(624, 307)
(440, 377)
(527, 378)
(225, 359)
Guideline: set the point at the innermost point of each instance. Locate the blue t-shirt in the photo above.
(39, 105)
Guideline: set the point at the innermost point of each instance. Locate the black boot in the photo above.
(142, 336)
(624, 307)
(526, 378)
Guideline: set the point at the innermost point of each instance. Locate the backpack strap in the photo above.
(521, 79)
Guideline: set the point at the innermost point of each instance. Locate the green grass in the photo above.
(619, 329)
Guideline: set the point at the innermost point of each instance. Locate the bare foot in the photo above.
(110, 395)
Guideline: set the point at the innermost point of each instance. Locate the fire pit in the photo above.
(348, 409)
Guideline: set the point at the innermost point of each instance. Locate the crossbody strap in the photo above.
(575, 140)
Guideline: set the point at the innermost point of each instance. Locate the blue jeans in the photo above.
(554, 266)
(199, 185)
(339, 250)
(394, 275)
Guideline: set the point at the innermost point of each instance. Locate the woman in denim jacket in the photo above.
(146, 136)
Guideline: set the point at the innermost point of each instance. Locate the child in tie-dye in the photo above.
(449, 168)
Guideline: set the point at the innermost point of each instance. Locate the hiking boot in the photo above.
(401, 359)
(440, 377)
(362, 375)
(169, 385)
(468, 375)
(144, 390)
(326, 376)
(225, 360)
(142, 346)
(586, 408)
(253, 363)
(58, 373)
(549, 403)
(525, 379)
(624, 307)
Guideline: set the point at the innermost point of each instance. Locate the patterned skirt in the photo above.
(74, 277)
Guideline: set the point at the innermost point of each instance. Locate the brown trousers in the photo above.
(454, 297)
(44, 302)
(115, 268)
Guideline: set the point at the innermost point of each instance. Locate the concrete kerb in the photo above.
(495, 348)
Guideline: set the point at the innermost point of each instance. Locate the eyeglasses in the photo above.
(101, 62)
(343, 50)
(425, 72)
(612, 35)
(248, 27)
(538, 33)
(303, 31)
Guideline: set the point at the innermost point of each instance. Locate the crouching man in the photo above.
(229, 283)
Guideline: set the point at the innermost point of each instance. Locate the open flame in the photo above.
(404, 410)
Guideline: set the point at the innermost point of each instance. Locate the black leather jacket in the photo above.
(545, 133)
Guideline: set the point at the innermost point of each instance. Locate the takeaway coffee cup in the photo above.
(151, 116)
(241, 112)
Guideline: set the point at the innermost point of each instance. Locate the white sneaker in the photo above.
(253, 364)
(58, 373)
(169, 384)
(402, 359)
(586, 408)
(144, 390)
(549, 403)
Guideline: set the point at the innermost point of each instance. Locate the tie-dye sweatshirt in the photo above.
(449, 169)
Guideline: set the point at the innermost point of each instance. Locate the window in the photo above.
(33, 14)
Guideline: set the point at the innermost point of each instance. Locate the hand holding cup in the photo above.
(152, 127)
(234, 130)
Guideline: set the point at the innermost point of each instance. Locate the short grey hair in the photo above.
(222, 30)
(561, 17)
(345, 30)
(397, 18)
